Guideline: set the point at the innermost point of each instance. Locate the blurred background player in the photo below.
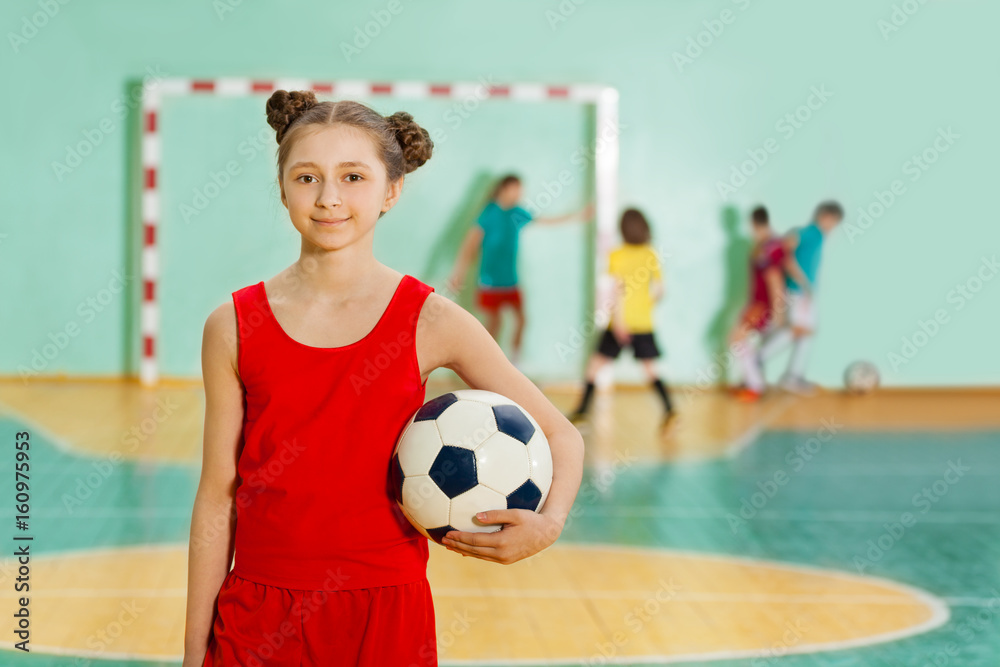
(638, 286)
(496, 233)
(765, 304)
(804, 246)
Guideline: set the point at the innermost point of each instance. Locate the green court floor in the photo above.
(839, 510)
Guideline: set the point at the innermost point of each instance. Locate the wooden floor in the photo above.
(683, 547)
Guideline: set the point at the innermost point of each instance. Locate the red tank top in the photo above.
(314, 503)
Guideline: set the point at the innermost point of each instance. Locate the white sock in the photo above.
(800, 351)
(747, 354)
(774, 342)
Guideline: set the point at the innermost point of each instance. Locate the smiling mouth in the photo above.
(330, 222)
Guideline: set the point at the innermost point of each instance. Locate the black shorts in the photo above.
(643, 345)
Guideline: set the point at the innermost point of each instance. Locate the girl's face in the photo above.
(509, 195)
(335, 186)
(760, 232)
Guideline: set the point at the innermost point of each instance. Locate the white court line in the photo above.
(584, 594)
(69, 447)
(940, 613)
(750, 436)
(846, 516)
(60, 443)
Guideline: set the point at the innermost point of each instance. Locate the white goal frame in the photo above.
(605, 158)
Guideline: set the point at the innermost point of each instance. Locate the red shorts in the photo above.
(491, 298)
(259, 625)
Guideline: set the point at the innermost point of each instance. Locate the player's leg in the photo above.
(515, 301)
(607, 351)
(775, 340)
(487, 302)
(743, 342)
(646, 351)
(803, 322)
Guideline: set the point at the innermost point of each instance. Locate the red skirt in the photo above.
(259, 625)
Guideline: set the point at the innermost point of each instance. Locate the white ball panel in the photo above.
(424, 502)
(478, 499)
(466, 424)
(540, 457)
(502, 463)
(490, 398)
(418, 446)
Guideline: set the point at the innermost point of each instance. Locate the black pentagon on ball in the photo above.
(454, 470)
(525, 497)
(511, 420)
(437, 533)
(397, 478)
(433, 408)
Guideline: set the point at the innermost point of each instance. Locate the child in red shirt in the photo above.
(309, 378)
(765, 305)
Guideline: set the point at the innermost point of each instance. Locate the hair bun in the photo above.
(283, 107)
(413, 139)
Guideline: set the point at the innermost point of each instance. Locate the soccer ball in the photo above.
(465, 452)
(861, 377)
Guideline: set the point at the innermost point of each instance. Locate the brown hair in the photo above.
(829, 208)
(504, 182)
(400, 142)
(759, 217)
(635, 229)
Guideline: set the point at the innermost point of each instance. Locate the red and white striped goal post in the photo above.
(605, 158)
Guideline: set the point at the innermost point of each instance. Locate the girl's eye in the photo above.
(353, 175)
(305, 176)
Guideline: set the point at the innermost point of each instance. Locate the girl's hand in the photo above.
(524, 534)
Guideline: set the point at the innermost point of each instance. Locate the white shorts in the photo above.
(801, 311)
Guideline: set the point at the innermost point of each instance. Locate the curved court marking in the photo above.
(939, 613)
(547, 596)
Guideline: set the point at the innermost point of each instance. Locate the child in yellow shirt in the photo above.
(638, 285)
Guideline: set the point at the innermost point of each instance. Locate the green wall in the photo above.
(684, 127)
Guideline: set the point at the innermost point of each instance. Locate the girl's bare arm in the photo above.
(213, 519)
(454, 338)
